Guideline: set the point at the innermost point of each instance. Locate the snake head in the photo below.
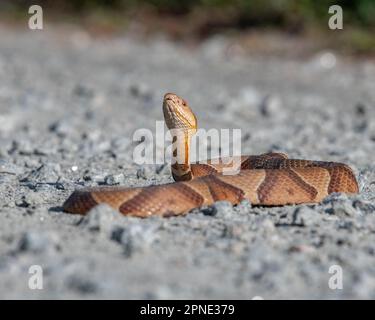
(177, 113)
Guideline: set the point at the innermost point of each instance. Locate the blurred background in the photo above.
(275, 25)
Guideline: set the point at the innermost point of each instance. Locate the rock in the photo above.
(267, 226)
(31, 199)
(271, 106)
(145, 173)
(343, 209)
(82, 284)
(46, 173)
(21, 202)
(39, 242)
(24, 147)
(244, 207)
(4, 148)
(340, 205)
(8, 171)
(248, 97)
(120, 144)
(100, 218)
(141, 90)
(8, 168)
(62, 128)
(136, 236)
(163, 169)
(335, 196)
(360, 109)
(302, 248)
(101, 147)
(363, 206)
(305, 216)
(114, 179)
(223, 209)
(45, 149)
(98, 178)
(83, 91)
(93, 135)
(233, 231)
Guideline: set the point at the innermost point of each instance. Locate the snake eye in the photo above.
(184, 103)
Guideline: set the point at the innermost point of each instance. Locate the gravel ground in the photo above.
(69, 107)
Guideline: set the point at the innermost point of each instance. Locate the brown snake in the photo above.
(267, 179)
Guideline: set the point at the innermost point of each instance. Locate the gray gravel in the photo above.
(69, 107)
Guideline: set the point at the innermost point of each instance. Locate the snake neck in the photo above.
(181, 169)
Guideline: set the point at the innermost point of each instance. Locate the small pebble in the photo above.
(271, 106)
(141, 90)
(114, 179)
(223, 209)
(136, 236)
(8, 168)
(83, 91)
(145, 173)
(46, 173)
(306, 216)
(62, 128)
(100, 218)
(343, 209)
(39, 242)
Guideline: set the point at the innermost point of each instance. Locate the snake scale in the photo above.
(269, 179)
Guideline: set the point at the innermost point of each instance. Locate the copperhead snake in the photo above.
(269, 179)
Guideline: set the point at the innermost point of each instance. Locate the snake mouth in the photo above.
(168, 95)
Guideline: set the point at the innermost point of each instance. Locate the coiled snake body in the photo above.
(267, 179)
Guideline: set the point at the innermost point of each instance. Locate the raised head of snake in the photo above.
(177, 113)
(182, 123)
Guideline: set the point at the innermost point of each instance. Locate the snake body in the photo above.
(267, 179)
